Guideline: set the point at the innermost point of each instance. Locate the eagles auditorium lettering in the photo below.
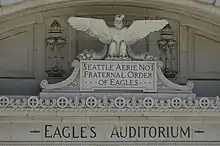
(118, 132)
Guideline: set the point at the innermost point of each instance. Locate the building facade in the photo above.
(43, 101)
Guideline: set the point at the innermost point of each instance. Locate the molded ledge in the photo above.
(97, 113)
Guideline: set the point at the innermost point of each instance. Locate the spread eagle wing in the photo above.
(140, 29)
(94, 27)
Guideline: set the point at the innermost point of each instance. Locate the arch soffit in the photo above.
(194, 12)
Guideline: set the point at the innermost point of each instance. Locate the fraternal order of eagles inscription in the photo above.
(114, 75)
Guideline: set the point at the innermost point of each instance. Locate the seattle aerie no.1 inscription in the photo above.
(132, 75)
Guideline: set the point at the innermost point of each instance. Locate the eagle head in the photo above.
(118, 21)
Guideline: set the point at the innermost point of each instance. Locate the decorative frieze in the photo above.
(116, 103)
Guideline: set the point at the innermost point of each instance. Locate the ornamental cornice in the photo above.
(106, 104)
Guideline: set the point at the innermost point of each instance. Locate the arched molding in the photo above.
(189, 13)
(191, 7)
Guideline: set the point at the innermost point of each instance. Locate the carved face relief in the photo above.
(118, 21)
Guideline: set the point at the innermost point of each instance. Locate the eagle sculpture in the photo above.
(118, 38)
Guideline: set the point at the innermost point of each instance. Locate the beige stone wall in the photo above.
(8, 2)
(24, 28)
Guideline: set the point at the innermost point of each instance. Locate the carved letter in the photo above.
(185, 133)
(115, 132)
(57, 132)
(82, 132)
(46, 130)
(92, 129)
(64, 132)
